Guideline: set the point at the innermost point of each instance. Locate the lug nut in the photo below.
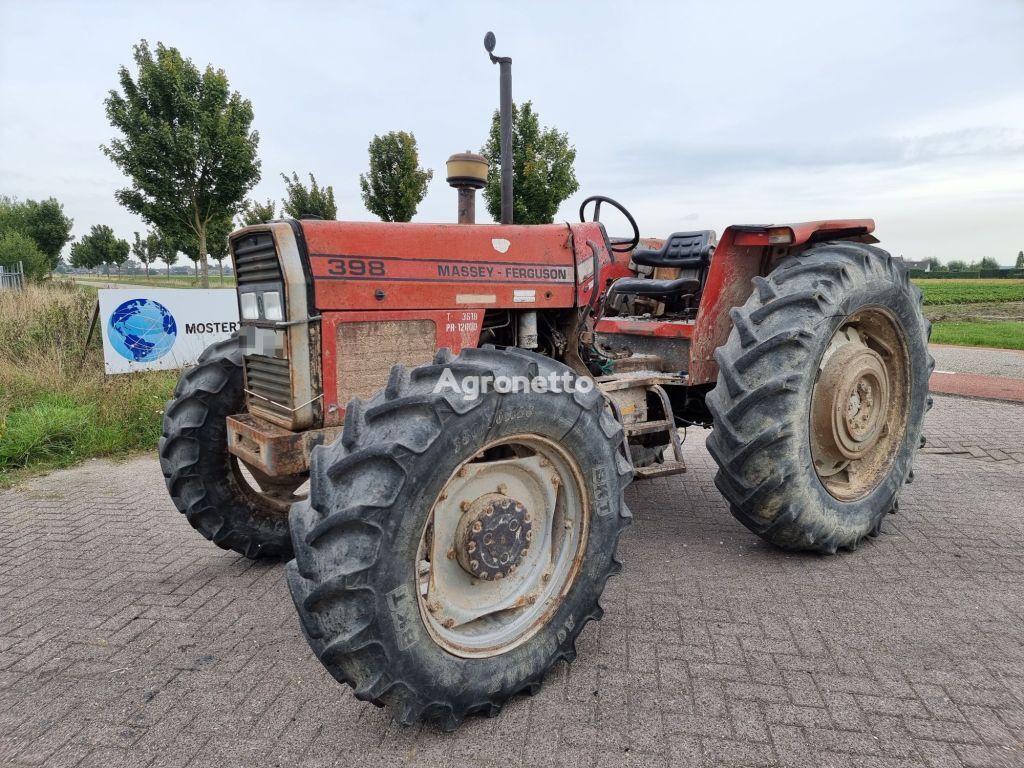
(462, 472)
(474, 565)
(477, 526)
(464, 505)
(448, 623)
(471, 546)
(451, 553)
(503, 489)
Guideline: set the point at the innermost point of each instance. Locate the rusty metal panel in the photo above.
(367, 350)
(273, 449)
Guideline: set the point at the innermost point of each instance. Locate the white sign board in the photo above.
(147, 329)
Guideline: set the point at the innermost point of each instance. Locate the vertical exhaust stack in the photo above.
(505, 65)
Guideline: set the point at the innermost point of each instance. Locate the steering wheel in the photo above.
(618, 244)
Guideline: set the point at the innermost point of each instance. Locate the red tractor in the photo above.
(437, 422)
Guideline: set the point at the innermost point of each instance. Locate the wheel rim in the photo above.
(273, 494)
(502, 546)
(858, 416)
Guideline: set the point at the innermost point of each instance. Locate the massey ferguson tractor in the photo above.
(435, 423)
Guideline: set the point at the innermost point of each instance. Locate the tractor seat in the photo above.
(655, 289)
(682, 249)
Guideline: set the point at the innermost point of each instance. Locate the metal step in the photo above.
(659, 470)
(646, 427)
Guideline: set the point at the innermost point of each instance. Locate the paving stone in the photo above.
(126, 639)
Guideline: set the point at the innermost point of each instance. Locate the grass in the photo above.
(937, 291)
(975, 313)
(155, 279)
(56, 406)
(1002, 334)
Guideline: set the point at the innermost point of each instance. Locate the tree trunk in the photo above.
(221, 263)
(204, 281)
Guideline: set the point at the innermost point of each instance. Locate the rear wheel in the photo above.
(453, 546)
(821, 396)
(235, 506)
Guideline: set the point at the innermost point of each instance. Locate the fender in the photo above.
(743, 253)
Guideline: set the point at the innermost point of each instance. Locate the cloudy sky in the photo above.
(693, 114)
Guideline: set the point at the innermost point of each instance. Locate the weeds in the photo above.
(56, 406)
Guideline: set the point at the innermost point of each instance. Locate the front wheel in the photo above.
(821, 396)
(455, 544)
(234, 506)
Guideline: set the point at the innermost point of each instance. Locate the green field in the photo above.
(938, 291)
(975, 313)
(155, 280)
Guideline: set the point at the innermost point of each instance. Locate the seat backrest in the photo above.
(688, 250)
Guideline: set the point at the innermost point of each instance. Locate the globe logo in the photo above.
(142, 330)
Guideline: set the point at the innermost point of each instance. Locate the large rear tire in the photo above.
(821, 396)
(454, 547)
(208, 485)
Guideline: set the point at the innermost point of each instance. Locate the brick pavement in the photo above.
(125, 639)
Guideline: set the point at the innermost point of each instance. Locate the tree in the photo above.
(16, 246)
(142, 250)
(989, 263)
(957, 265)
(120, 255)
(99, 247)
(217, 244)
(1020, 260)
(42, 221)
(315, 200)
(186, 144)
(542, 168)
(395, 185)
(253, 212)
(167, 251)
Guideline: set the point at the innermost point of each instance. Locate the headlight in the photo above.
(250, 310)
(272, 306)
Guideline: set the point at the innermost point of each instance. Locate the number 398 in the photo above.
(355, 267)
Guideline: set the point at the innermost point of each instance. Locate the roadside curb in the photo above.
(977, 385)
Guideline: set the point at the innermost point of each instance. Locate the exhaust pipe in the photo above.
(505, 108)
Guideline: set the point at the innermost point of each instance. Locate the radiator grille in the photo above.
(367, 350)
(268, 377)
(256, 259)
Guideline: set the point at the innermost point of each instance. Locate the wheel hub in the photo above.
(854, 391)
(493, 536)
(502, 545)
(858, 406)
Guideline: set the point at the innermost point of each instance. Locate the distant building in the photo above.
(921, 264)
